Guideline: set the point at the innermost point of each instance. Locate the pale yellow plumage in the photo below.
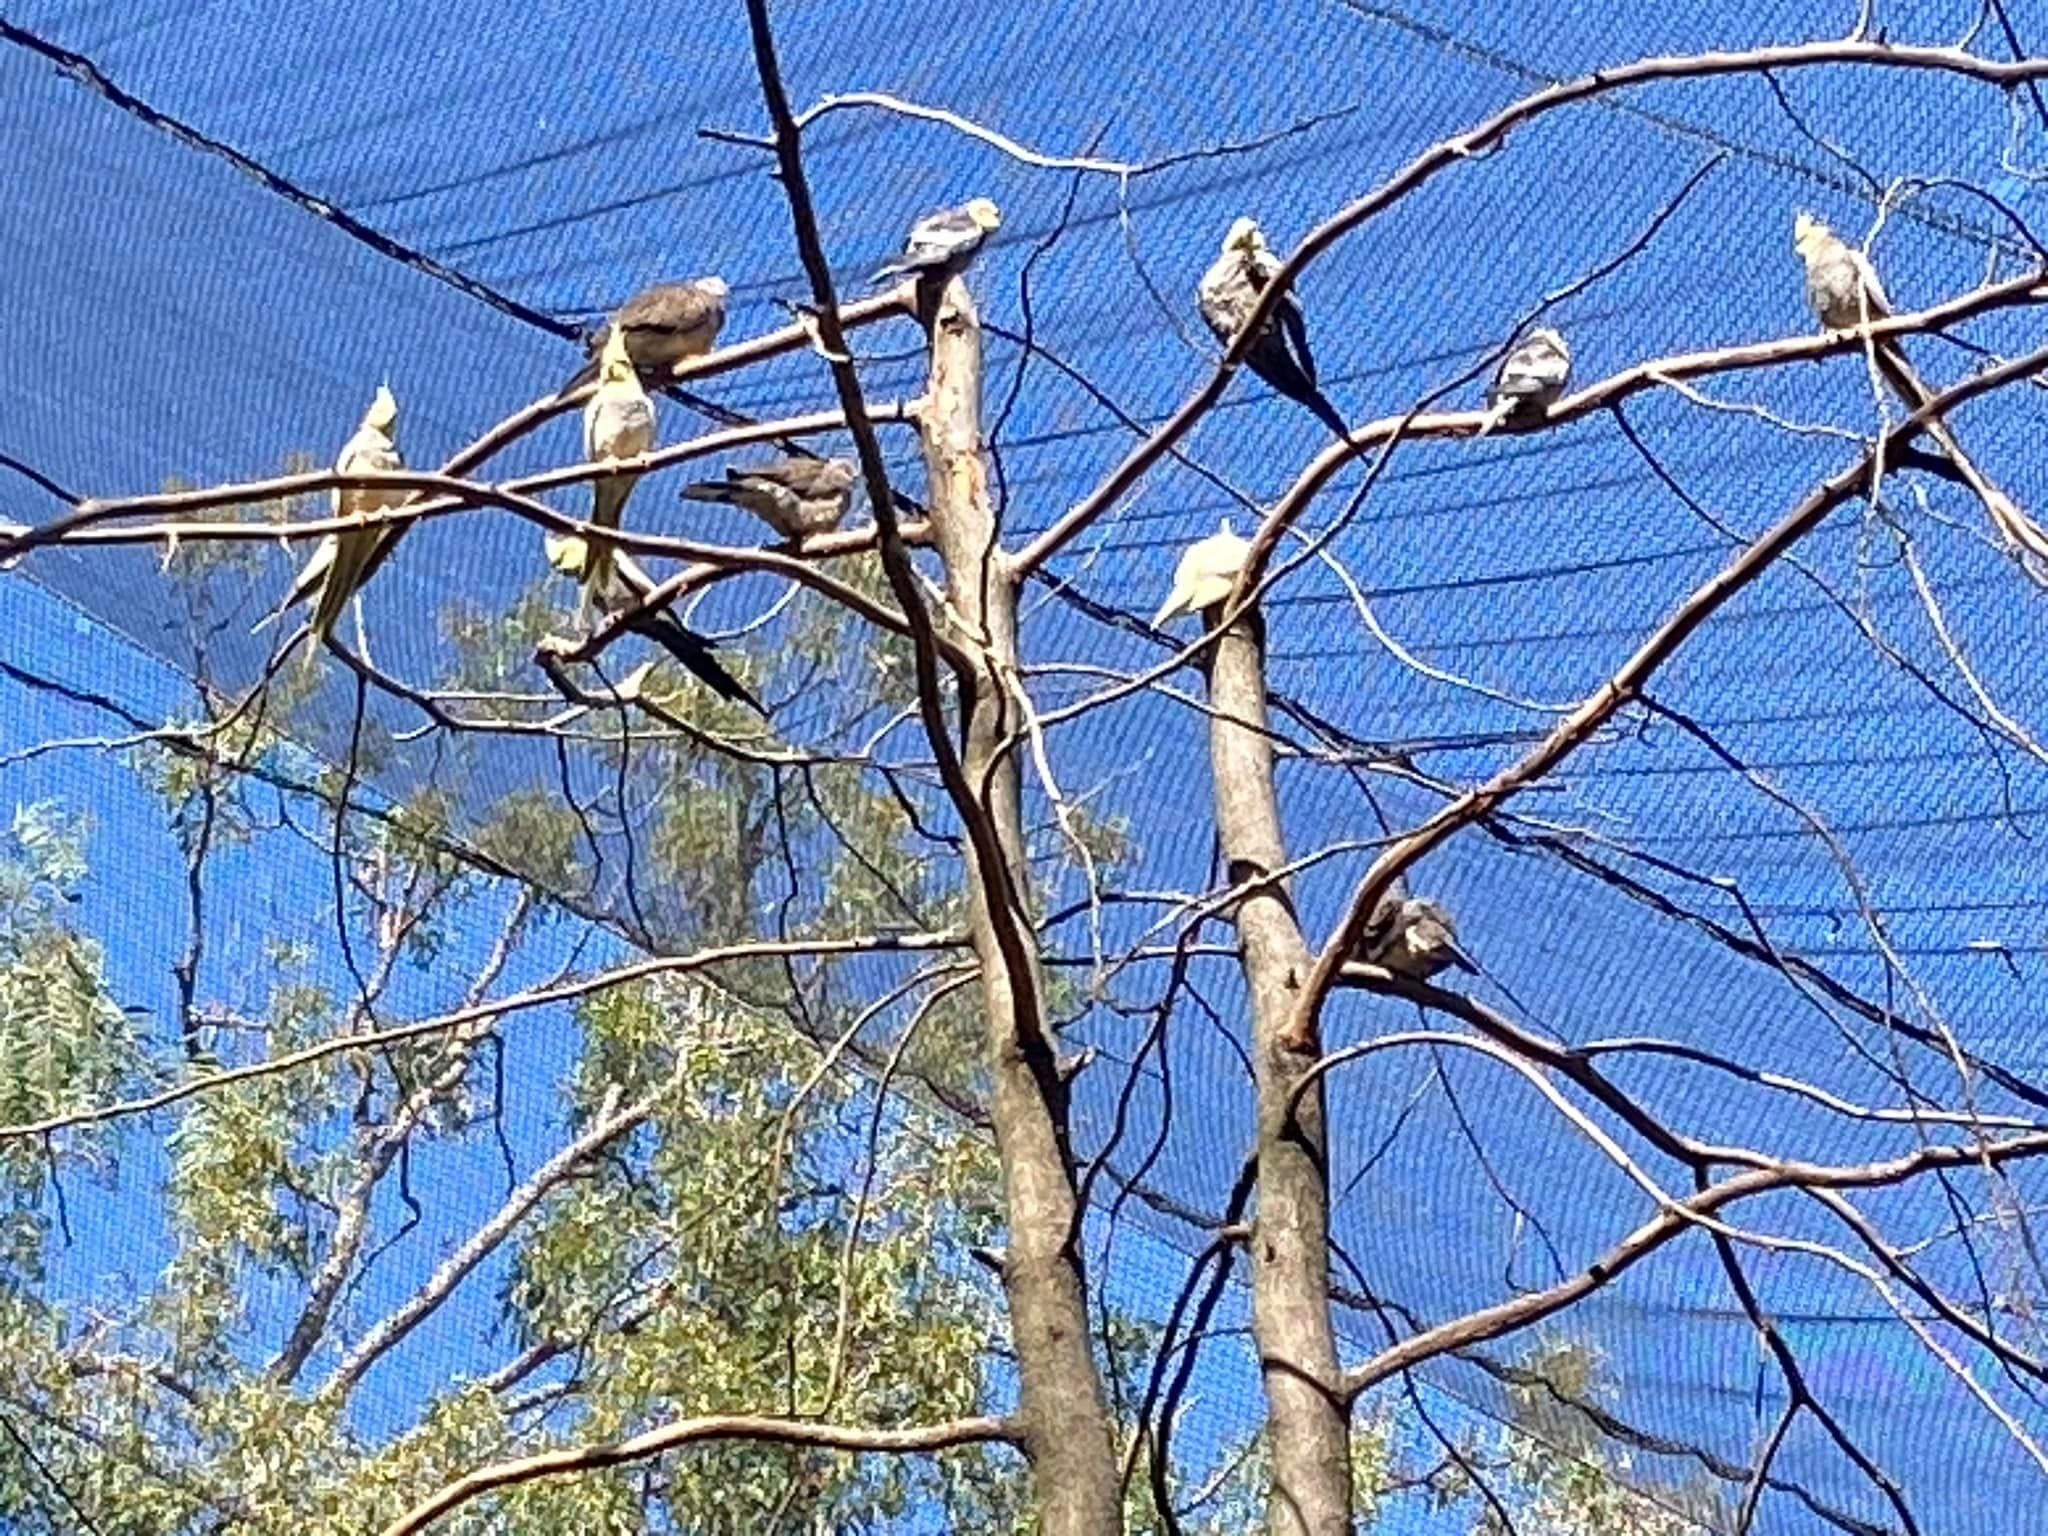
(340, 563)
(1205, 575)
(617, 424)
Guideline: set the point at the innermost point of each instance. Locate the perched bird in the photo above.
(1411, 936)
(795, 497)
(1841, 285)
(1205, 575)
(1529, 381)
(1279, 354)
(943, 243)
(663, 325)
(626, 585)
(342, 563)
(1842, 288)
(617, 424)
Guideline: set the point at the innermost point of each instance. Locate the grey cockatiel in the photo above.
(1843, 290)
(624, 586)
(1207, 571)
(942, 243)
(1411, 936)
(618, 423)
(795, 497)
(342, 563)
(663, 326)
(1841, 285)
(1226, 296)
(1529, 381)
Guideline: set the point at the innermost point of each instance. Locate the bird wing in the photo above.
(1225, 298)
(305, 584)
(675, 319)
(1204, 576)
(619, 421)
(939, 235)
(346, 573)
(1261, 267)
(1294, 326)
(1867, 275)
(806, 477)
(617, 424)
(1177, 602)
(1533, 370)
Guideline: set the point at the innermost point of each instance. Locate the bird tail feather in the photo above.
(711, 490)
(1326, 413)
(693, 652)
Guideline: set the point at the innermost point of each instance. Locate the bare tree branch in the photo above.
(657, 1442)
(1626, 683)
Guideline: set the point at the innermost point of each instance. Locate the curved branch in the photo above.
(724, 1426)
(1477, 140)
(1577, 728)
(1680, 1216)
(702, 959)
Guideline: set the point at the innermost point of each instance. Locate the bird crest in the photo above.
(382, 415)
(1807, 232)
(1245, 235)
(985, 214)
(715, 287)
(615, 363)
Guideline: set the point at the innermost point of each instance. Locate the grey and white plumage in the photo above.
(1844, 292)
(942, 243)
(1411, 936)
(1841, 284)
(618, 423)
(1529, 381)
(664, 325)
(1207, 571)
(623, 586)
(1279, 354)
(796, 497)
(342, 563)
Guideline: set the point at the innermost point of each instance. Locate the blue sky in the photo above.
(206, 325)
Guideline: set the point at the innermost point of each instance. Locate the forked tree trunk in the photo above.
(1065, 1423)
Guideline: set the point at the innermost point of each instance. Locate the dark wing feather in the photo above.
(1294, 325)
(693, 651)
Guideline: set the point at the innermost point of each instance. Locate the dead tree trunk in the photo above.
(1308, 1424)
(1065, 1423)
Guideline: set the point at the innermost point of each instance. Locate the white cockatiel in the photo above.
(618, 423)
(1529, 381)
(342, 563)
(795, 497)
(1844, 292)
(667, 324)
(1205, 575)
(943, 243)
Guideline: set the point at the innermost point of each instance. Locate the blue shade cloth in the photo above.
(174, 314)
